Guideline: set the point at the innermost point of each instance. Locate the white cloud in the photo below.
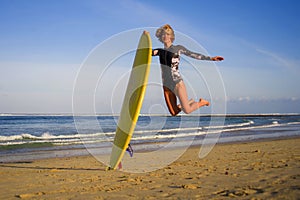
(284, 62)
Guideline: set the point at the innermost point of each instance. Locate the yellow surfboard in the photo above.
(133, 99)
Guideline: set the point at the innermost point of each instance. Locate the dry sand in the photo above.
(252, 170)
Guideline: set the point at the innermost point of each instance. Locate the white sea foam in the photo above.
(137, 136)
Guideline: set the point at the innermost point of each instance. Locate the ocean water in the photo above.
(42, 136)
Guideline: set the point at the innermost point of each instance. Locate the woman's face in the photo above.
(166, 37)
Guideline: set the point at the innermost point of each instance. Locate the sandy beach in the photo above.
(252, 170)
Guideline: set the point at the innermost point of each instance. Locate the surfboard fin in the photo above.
(129, 150)
(120, 166)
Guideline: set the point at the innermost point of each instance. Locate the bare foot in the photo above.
(190, 102)
(203, 102)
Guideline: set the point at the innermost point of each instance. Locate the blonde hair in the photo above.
(165, 28)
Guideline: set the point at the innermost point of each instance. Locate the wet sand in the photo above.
(253, 170)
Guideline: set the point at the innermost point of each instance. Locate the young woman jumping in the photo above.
(173, 85)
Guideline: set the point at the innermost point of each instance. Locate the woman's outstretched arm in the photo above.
(199, 56)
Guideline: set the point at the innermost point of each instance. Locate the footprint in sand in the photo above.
(239, 192)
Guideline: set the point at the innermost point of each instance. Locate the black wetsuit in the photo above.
(169, 61)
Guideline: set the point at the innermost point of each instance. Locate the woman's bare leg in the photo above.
(187, 107)
(171, 101)
(190, 102)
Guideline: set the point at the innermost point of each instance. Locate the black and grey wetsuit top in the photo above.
(169, 61)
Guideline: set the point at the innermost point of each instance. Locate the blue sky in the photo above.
(44, 43)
